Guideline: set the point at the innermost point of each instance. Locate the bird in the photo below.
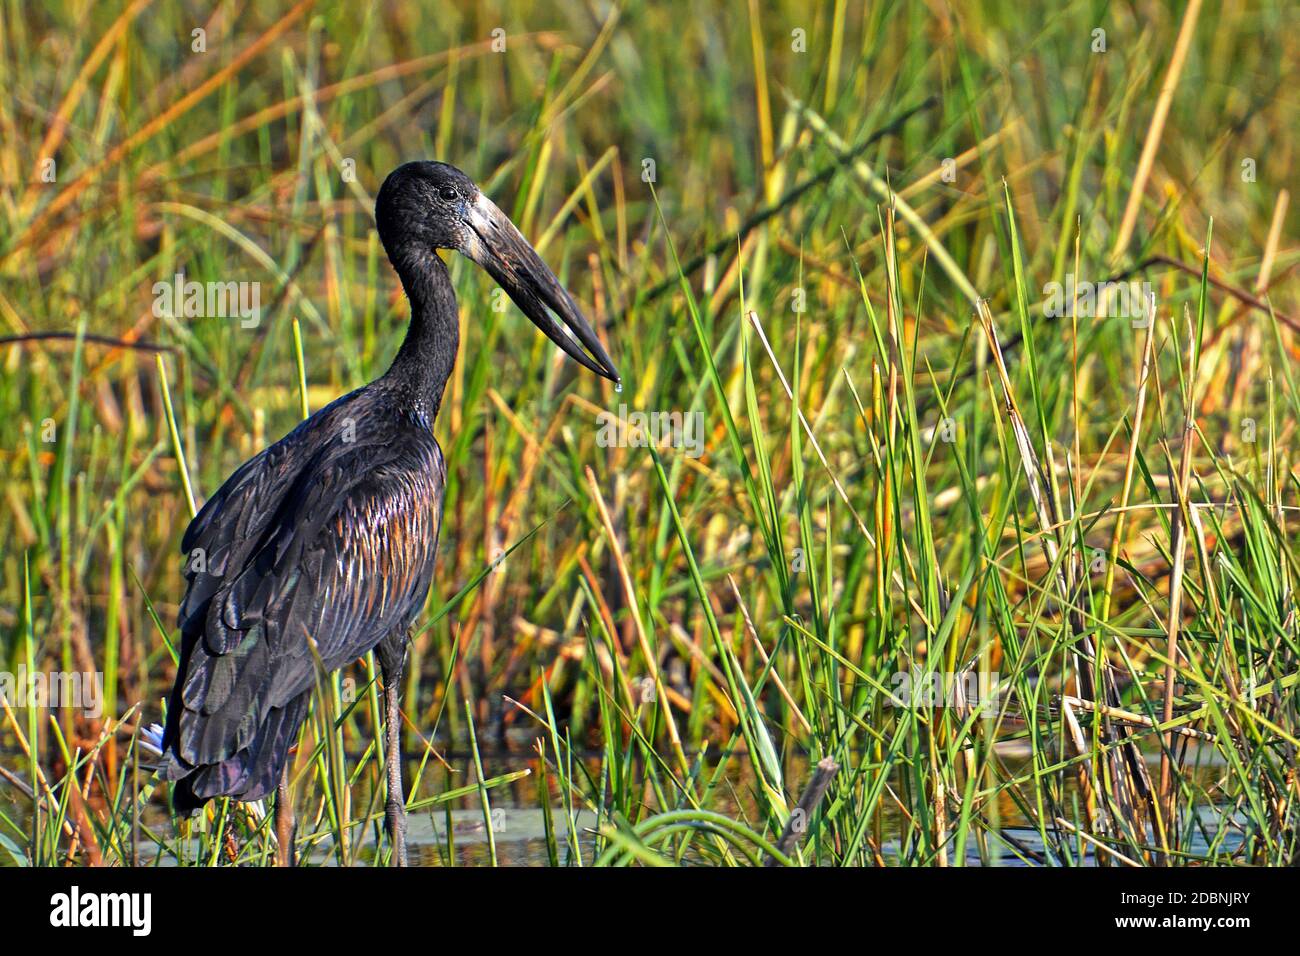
(321, 547)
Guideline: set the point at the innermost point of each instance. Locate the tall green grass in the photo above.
(911, 467)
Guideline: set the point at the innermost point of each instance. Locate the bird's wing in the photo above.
(324, 562)
(231, 524)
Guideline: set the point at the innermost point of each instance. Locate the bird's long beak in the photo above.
(497, 246)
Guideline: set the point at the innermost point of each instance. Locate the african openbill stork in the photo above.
(326, 539)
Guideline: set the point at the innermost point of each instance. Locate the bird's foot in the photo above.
(397, 832)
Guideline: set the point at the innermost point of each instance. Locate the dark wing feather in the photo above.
(319, 539)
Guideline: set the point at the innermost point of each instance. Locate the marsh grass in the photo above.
(910, 467)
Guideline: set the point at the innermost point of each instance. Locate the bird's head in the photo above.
(426, 206)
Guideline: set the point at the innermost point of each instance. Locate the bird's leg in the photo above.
(392, 660)
(286, 827)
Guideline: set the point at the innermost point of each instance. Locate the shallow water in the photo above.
(519, 832)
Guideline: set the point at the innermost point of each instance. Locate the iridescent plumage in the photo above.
(323, 545)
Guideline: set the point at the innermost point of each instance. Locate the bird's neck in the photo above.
(425, 361)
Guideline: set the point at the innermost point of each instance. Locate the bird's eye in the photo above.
(447, 193)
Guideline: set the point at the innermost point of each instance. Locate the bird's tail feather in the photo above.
(249, 774)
